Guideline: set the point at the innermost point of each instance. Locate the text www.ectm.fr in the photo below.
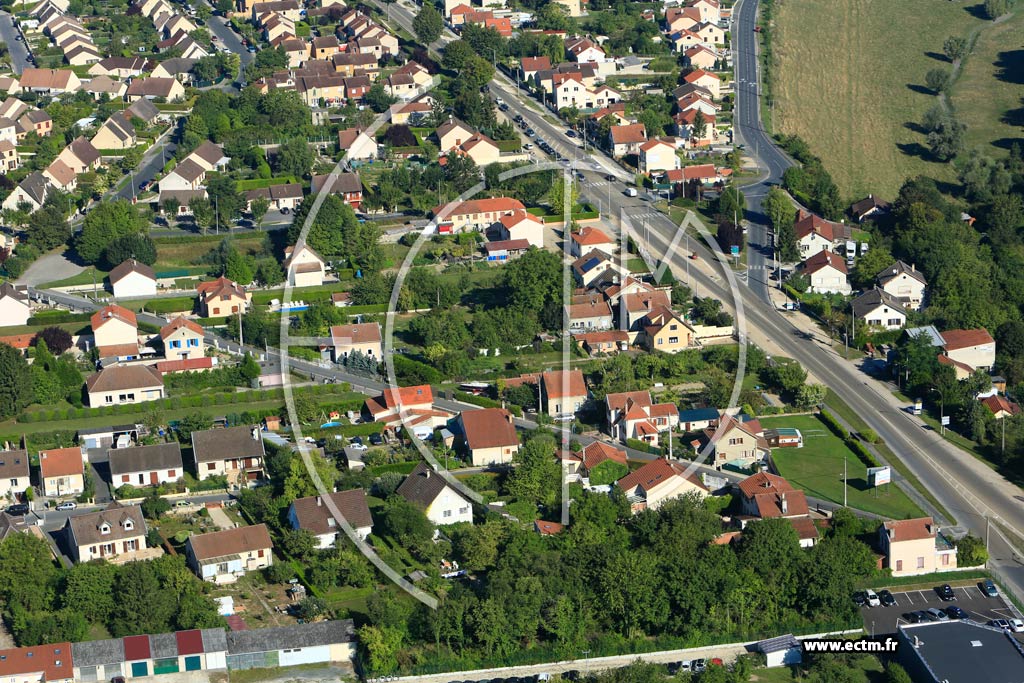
(859, 645)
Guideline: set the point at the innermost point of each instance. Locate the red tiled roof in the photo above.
(910, 529)
(946, 360)
(54, 661)
(604, 336)
(184, 365)
(100, 317)
(597, 452)
(654, 474)
(763, 482)
(535, 63)
(963, 339)
(629, 133)
(553, 383)
(696, 75)
(473, 206)
(488, 428)
(60, 462)
(418, 395)
(176, 324)
(547, 528)
(808, 223)
(999, 404)
(588, 236)
(189, 642)
(136, 648)
(825, 258)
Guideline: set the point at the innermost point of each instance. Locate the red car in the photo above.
(757, 29)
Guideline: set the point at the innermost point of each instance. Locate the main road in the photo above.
(16, 48)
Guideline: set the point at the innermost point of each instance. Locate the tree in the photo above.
(135, 246)
(810, 395)
(556, 195)
(382, 644)
(378, 98)
(107, 222)
(88, 590)
(789, 376)
(947, 140)
(226, 200)
(955, 48)
(971, 552)
(537, 476)
(57, 340)
(781, 213)
(456, 54)
(258, 208)
(937, 80)
(47, 228)
(869, 265)
(249, 368)
(155, 506)
(731, 203)
(15, 382)
(294, 158)
(141, 606)
(428, 24)
(996, 8)
(27, 573)
(894, 673)
(700, 125)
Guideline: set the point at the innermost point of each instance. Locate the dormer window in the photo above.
(104, 528)
(129, 525)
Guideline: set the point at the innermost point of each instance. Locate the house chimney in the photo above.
(426, 473)
(784, 505)
(913, 267)
(319, 501)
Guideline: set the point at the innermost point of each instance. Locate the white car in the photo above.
(873, 600)
(1016, 625)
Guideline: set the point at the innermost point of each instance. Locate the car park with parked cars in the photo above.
(945, 592)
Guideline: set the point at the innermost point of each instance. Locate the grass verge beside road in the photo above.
(847, 415)
(818, 469)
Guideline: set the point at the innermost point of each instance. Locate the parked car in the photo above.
(356, 440)
(913, 617)
(376, 439)
(570, 133)
(631, 192)
(698, 665)
(937, 615)
(1017, 626)
(955, 612)
(67, 505)
(873, 600)
(945, 592)
(886, 598)
(17, 510)
(1000, 623)
(860, 598)
(988, 587)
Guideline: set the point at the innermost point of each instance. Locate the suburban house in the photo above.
(915, 546)
(1000, 406)
(869, 207)
(696, 419)
(563, 392)
(222, 297)
(115, 332)
(474, 214)
(905, 283)
(14, 473)
(522, 225)
(634, 415)
(314, 514)
(49, 81)
(605, 341)
(582, 49)
(596, 267)
(132, 279)
(877, 309)
(234, 452)
(145, 465)
(657, 482)
(657, 156)
(814, 234)
(505, 250)
(529, 66)
(489, 435)
(735, 442)
(664, 330)
(357, 145)
(286, 196)
(705, 79)
(117, 132)
(61, 472)
(170, 89)
(183, 339)
(441, 503)
(223, 556)
(768, 496)
(826, 274)
(415, 404)
(452, 134)
(210, 156)
(589, 238)
(589, 311)
(626, 139)
(362, 337)
(32, 191)
(306, 268)
(348, 186)
(115, 534)
(117, 385)
(15, 307)
(700, 57)
(597, 461)
(186, 175)
(50, 663)
(973, 348)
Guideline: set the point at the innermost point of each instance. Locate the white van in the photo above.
(631, 192)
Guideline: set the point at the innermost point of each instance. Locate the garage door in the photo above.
(87, 674)
(193, 663)
(166, 666)
(140, 669)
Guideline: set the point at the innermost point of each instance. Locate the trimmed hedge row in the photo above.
(852, 442)
(485, 402)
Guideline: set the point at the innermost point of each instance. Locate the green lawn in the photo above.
(866, 669)
(989, 94)
(817, 468)
(848, 79)
(259, 183)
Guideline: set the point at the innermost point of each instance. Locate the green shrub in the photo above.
(833, 424)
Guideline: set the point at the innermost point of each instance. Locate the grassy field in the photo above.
(990, 91)
(849, 79)
(817, 468)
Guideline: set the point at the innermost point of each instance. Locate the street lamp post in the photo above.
(942, 409)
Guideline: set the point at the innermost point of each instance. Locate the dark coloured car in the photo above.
(17, 510)
(356, 440)
(376, 439)
(886, 598)
(945, 592)
(673, 668)
(913, 617)
(988, 587)
(860, 598)
(955, 612)
(924, 615)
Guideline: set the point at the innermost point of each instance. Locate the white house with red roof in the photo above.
(115, 332)
(733, 440)
(634, 415)
(529, 66)
(563, 393)
(814, 234)
(589, 238)
(582, 49)
(658, 482)
(364, 338)
(474, 214)
(769, 496)
(415, 403)
(826, 274)
(657, 156)
(705, 79)
(522, 225)
(973, 348)
(490, 436)
(626, 139)
(915, 546)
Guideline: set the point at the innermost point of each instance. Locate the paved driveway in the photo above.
(979, 607)
(49, 268)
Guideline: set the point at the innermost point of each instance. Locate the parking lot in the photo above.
(979, 607)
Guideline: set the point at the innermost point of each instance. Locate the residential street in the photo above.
(17, 49)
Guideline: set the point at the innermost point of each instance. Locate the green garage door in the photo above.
(140, 669)
(166, 666)
(194, 663)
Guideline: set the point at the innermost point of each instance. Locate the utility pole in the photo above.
(844, 481)
(241, 337)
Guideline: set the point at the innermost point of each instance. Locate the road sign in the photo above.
(734, 250)
(945, 420)
(879, 475)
